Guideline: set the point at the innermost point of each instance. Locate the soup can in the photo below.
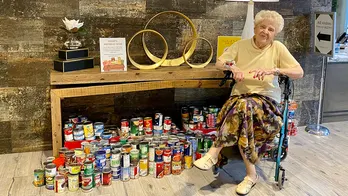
(143, 167)
(152, 167)
(97, 178)
(39, 177)
(159, 169)
(88, 129)
(73, 182)
(106, 176)
(59, 184)
(87, 183)
(50, 170)
(134, 170)
(125, 174)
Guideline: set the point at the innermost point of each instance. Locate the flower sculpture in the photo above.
(73, 27)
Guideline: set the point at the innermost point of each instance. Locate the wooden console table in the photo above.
(63, 85)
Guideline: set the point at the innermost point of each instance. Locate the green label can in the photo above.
(89, 168)
(144, 148)
(134, 125)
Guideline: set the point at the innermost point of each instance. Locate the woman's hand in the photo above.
(238, 75)
(261, 73)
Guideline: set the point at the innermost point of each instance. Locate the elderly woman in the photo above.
(251, 117)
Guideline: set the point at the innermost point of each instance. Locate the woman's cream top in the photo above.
(249, 57)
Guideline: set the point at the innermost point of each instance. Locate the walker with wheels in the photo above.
(280, 149)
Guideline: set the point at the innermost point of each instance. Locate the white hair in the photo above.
(273, 16)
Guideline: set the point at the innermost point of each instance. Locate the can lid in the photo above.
(59, 177)
(106, 170)
(39, 171)
(50, 165)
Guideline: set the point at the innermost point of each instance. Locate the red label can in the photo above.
(148, 125)
(167, 155)
(159, 169)
(106, 178)
(68, 134)
(167, 124)
(167, 168)
(211, 121)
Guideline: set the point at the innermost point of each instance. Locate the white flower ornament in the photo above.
(72, 25)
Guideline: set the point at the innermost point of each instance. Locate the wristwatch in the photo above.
(277, 72)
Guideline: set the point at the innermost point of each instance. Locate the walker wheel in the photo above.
(274, 154)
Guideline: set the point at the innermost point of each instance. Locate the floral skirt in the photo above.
(249, 121)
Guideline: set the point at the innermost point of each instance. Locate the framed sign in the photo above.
(324, 33)
(113, 56)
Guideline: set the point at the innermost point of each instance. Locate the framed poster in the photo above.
(113, 56)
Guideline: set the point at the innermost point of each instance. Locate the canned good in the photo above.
(167, 155)
(167, 168)
(167, 125)
(188, 162)
(89, 168)
(39, 177)
(97, 178)
(157, 130)
(73, 182)
(59, 184)
(68, 134)
(50, 182)
(73, 119)
(125, 174)
(159, 169)
(88, 129)
(68, 124)
(141, 126)
(74, 168)
(135, 145)
(87, 183)
(98, 129)
(152, 167)
(115, 160)
(50, 170)
(144, 148)
(107, 149)
(158, 119)
(134, 126)
(187, 149)
(176, 167)
(69, 157)
(124, 128)
(134, 155)
(134, 170)
(106, 176)
(158, 154)
(116, 173)
(106, 135)
(143, 167)
(126, 148)
(79, 151)
(80, 159)
(148, 125)
(125, 160)
(208, 142)
(152, 152)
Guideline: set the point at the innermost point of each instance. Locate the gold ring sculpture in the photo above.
(203, 64)
(159, 61)
(177, 61)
